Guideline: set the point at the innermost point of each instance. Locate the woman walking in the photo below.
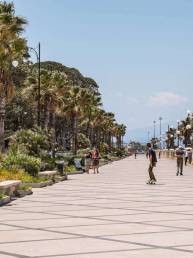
(95, 160)
(87, 160)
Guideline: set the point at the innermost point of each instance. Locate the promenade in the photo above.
(113, 214)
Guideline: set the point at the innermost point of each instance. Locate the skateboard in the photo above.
(150, 182)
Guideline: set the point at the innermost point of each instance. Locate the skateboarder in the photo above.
(180, 160)
(152, 163)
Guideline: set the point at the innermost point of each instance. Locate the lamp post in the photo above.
(178, 132)
(37, 53)
(154, 123)
(160, 128)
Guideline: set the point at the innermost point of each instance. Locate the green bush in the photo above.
(23, 161)
(83, 141)
(35, 142)
(24, 187)
(103, 148)
(48, 164)
(2, 196)
(70, 169)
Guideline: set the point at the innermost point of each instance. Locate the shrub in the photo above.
(104, 148)
(70, 169)
(14, 174)
(83, 141)
(35, 142)
(2, 196)
(48, 164)
(23, 161)
(17, 174)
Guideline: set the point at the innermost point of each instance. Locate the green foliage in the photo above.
(2, 196)
(121, 152)
(83, 141)
(74, 77)
(103, 148)
(35, 142)
(48, 164)
(14, 174)
(70, 169)
(24, 187)
(23, 161)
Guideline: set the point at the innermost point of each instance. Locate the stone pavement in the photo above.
(113, 214)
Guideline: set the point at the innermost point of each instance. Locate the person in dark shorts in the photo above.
(180, 160)
(87, 160)
(95, 160)
(151, 154)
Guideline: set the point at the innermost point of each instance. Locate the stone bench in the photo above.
(8, 187)
(48, 174)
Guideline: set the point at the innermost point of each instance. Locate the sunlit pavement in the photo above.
(112, 214)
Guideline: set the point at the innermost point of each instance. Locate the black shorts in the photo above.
(95, 162)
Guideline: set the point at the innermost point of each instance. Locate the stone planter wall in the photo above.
(5, 200)
(38, 185)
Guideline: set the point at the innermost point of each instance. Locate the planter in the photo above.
(76, 173)
(38, 185)
(5, 200)
(22, 193)
(60, 179)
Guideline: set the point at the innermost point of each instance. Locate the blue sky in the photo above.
(139, 51)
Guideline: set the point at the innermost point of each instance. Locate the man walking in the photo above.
(180, 160)
(151, 154)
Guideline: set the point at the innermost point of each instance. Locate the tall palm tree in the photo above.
(53, 87)
(12, 47)
(72, 109)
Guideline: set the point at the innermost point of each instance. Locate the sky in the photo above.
(140, 52)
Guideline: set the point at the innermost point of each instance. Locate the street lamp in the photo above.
(154, 123)
(37, 53)
(160, 127)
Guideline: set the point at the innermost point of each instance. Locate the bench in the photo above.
(48, 174)
(8, 187)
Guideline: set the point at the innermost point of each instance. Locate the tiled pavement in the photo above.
(113, 214)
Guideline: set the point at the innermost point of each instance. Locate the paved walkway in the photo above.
(113, 214)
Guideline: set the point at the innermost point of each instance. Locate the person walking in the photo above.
(186, 157)
(87, 160)
(95, 160)
(151, 154)
(190, 155)
(180, 160)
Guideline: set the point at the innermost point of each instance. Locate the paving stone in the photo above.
(113, 214)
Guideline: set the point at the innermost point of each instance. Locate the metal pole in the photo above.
(154, 122)
(160, 119)
(39, 96)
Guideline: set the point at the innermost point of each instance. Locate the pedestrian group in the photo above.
(92, 158)
(183, 156)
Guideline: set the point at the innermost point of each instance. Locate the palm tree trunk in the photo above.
(2, 122)
(46, 115)
(75, 135)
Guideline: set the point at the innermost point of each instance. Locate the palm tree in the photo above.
(73, 101)
(12, 47)
(53, 87)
